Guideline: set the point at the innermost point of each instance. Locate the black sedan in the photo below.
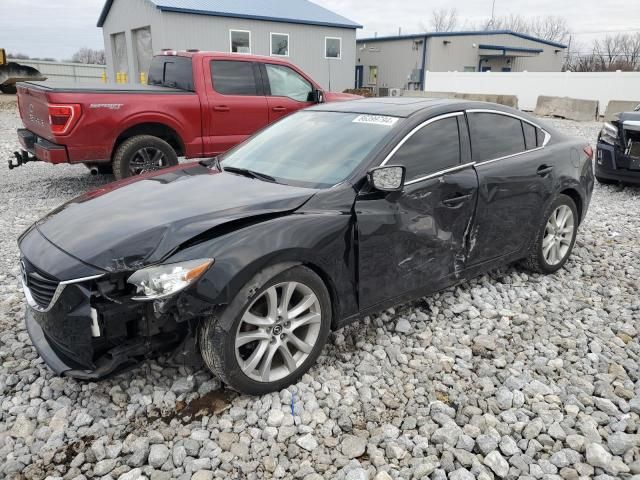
(248, 261)
(618, 152)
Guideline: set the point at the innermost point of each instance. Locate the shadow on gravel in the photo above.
(210, 404)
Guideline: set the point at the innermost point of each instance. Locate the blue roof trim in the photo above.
(258, 17)
(289, 11)
(461, 34)
(512, 49)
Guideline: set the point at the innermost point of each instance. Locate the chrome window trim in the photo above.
(415, 130)
(56, 295)
(547, 135)
(441, 172)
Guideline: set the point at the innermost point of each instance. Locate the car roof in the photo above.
(392, 106)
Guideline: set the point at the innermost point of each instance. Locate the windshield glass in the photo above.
(312, 149)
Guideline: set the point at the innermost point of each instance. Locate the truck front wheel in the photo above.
(142, 154)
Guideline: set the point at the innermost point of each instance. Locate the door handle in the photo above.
(279, 109)
(221, 108)
(544, 170)
(452, 202)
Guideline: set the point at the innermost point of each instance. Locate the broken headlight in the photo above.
(609, 134)
(165, 280)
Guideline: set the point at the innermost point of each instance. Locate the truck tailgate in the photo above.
(34, 110)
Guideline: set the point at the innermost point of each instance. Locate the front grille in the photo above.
(41, 285)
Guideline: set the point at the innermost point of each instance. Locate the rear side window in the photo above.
(233, 78)
(494, 136)
(433, 148)
(173, 72)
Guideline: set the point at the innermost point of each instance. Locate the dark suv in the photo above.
(618, 155)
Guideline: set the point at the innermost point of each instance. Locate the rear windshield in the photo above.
(173, 72)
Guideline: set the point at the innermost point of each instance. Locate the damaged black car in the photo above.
(249, 260)
(618, 150)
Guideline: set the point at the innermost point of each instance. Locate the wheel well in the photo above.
(155, 129)
(333, 296)
(575, 196)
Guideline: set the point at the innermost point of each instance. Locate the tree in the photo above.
(548, 27)
(444, 20)
(89, 55)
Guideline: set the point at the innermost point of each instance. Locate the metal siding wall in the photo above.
(64, 71)
(125, 16)
(183, 31)
(306, 43)
(461, 53)
(395, 60)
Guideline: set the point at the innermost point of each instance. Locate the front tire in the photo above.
(142, 154)
(9, 89)
(555, 236)
(268, 337)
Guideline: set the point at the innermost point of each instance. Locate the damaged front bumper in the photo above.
(620, 160)
(90, 328)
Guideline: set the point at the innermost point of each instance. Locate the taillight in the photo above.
(62, 118)
(589, 151)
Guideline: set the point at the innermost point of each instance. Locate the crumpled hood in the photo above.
(139, 221)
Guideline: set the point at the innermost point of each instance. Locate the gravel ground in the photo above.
(510, 376)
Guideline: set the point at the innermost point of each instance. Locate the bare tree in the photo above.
(89, 55)
(611, 53)
(550, 27)
(18, 56)
(444, 20)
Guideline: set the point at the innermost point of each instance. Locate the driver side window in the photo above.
(286, 82)
(433, 148)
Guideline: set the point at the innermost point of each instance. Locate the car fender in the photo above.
(323, 242)
(151, 118)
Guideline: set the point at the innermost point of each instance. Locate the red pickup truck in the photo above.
(196, 104)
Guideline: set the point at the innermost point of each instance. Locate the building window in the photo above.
(240, 41)
(280, 44)
(332, 47)
(373, 75)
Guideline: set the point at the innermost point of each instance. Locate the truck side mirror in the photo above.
(318, 96)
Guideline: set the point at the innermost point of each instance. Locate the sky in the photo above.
(57, 28)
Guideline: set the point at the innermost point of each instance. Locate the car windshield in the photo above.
(311, 148)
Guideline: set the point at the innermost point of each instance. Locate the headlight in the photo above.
(165, 280)
(609, 134)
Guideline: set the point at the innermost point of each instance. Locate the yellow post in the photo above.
(124, 77)
(143, 78)
(118, 77)
(104, 76)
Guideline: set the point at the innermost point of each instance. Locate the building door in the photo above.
(359, 74)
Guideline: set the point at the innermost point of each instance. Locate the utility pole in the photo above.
(493, 13)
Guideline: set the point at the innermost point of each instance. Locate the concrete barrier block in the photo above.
(566, 107)
(618, 106)
(508, 100)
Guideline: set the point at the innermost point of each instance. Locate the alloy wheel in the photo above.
(558, 235)
(147, 159)
(278, 331)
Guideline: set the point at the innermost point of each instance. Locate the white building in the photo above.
(319, 41)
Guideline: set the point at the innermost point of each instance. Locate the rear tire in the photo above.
(285, 337)
(555, 237)
(9, 89)
(142, 154)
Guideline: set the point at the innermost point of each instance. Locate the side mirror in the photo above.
(318, 96)
(389, 178)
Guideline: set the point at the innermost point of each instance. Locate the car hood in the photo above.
(139, 221)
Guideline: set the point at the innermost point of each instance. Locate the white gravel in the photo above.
(512, 375)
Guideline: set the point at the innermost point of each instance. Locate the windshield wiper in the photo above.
(250, 173)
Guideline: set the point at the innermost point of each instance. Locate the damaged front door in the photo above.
(416, 240)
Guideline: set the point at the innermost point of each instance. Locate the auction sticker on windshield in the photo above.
(376, 120)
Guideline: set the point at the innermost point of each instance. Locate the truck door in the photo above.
(287, 90)
(236, 104)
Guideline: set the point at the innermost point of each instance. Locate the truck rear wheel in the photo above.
(142, 154)
(8, 88)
